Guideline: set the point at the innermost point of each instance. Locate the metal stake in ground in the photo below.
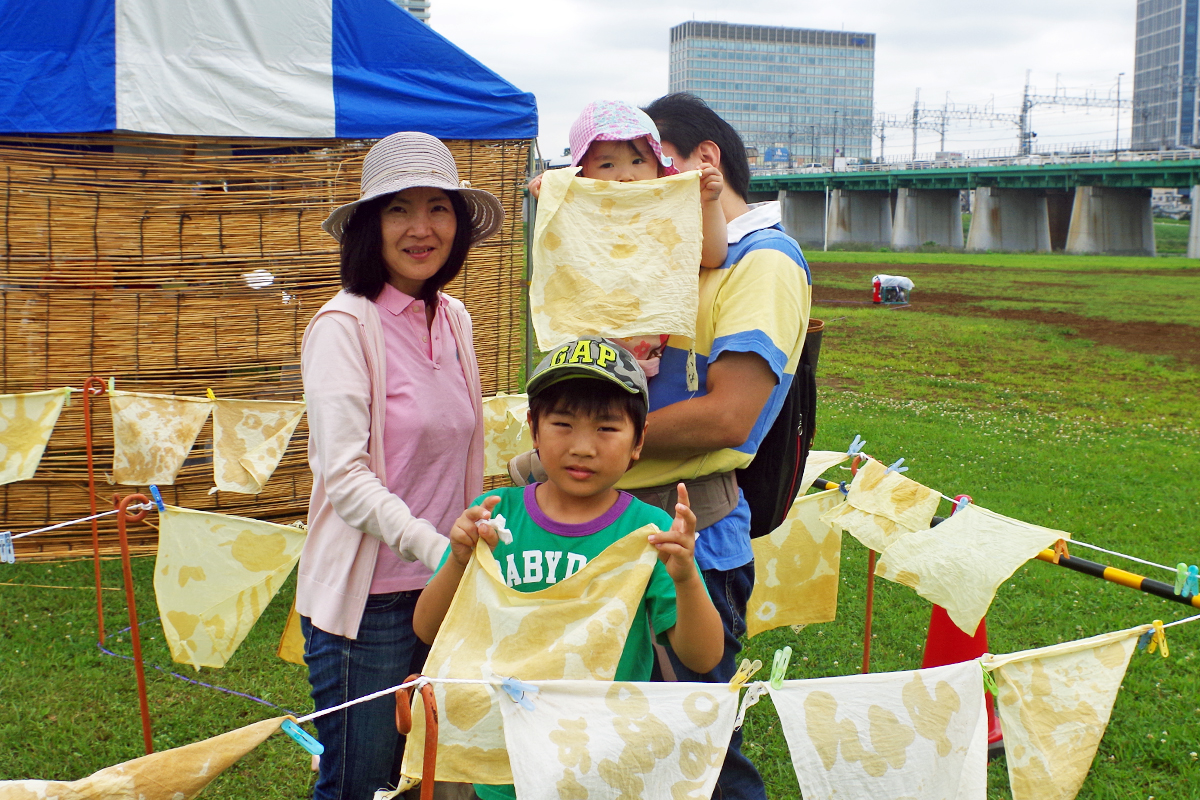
(123, 516)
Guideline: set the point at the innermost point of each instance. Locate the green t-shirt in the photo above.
(544, 552)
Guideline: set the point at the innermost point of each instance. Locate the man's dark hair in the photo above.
(589, 397)
(685, 121)
(363, 269)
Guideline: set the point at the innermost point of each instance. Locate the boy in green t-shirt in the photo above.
(587, 413)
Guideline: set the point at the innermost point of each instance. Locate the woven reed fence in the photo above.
(126, 256)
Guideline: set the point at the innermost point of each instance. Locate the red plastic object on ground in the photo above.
(947, 644)
(875, 286)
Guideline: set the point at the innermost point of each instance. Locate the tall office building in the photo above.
(418, 8)
(808, 91)
(1164, 74)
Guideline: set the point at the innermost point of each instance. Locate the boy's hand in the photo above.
(712, 182)
(677, 545)
(470, 528)
(535, 186)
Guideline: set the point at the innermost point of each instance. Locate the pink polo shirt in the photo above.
(428, 426)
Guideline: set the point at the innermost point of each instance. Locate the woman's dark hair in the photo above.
(589, 397)
(685, 121)
(363, 269)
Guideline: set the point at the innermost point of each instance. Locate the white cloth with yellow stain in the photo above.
(882, 506)
(177, 774)
(895, 735)
(291, 641)
(26, 422)
(505, 431)
(1054, 705)
(213, 577)
(153, 434)
(249, 439)
(817, 464)
(615, 259)
(961, 563)
(796, 567)
(573, 630)
(620, 740)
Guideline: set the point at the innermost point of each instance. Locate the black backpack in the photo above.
(771, 482)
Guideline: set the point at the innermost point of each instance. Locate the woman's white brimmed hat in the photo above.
(408, 159)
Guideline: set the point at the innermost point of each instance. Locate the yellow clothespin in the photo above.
(1060, 550)
(1159, 639)
(211, 396)
(745, 671)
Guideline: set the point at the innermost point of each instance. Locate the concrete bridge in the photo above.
(1080, 204)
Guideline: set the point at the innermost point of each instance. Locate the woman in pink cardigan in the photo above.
(395, 443)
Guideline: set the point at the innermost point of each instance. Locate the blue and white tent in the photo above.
(260, 68)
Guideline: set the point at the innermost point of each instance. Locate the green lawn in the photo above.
(1031, 419)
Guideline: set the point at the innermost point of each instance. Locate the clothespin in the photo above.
(112, 384)
(157, 495)
(1144, 639)
(756, 690)
(302, 737)
(1060, 550)
(1180, 577)
(743, 674)
(1191, 586)
(856, 446)
(989, 682)
(498, 523)
(518, 691)
(896, 467)
(1158, 639)
(7, 554)
(961, 501)
(843, 488)
(779, 667)
(211, 395)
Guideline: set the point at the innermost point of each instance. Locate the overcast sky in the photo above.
(569, 52)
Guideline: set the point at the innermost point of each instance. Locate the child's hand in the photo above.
(535, 186)
(677, 545)
(712, 182)
(470, 528)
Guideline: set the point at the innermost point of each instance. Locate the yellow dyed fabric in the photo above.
(26, 422)
(588, 739)
(817, 464)
(291, 642)
(573, 630)
(881, 507)
(505, 431)
(615, 259)
(213, 577)
(895, 735)
(796, 568)
(177, 774)
(249, 439)
(961, 563)
(1054, 705)
(153, 434)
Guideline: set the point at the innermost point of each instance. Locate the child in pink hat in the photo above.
(616, 141)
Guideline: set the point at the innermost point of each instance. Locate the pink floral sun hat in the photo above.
(615, 121)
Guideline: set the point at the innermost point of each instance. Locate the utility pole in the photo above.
(1026, 138)
(915, 117)
(1117, 142)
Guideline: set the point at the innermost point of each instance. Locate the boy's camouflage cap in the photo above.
(591, 357)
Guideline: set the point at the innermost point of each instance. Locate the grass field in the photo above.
(1064, 391)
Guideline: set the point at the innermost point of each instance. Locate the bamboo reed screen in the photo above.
(127, 256)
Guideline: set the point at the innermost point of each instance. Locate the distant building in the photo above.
(418, 8)
(1164, 74)
(808, 91)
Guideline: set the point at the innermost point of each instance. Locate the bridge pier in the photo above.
(1009, 219)
(860, 217)
(1109, 220)
(1193, 248)
(927, 215)
(803, 216)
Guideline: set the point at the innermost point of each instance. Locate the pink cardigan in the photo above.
(351, 508)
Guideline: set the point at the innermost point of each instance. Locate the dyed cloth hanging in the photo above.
(505, 431)
(817, 464)
(213, 577)
(153, 434)
(961, 563)
(621, 740)
(26, 422)
(882, 506)
(914, 734)
(796, 568)
(177, 774)
(291, 641)
(615, 259)
(1054, 705)
(574, 630)
(249, 439)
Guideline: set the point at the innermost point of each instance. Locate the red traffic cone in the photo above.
(947, 644)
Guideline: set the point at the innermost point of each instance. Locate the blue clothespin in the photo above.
(1180, 577)
(779, 667)
(1191, 586)
(843, 488)
(157, 495)
(1144, 639)
(960, 502)
(7, 554)
(856, 446)
(896, 467)
(519, 691)
(302, 738)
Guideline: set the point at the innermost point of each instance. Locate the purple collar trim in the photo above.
(574, 528)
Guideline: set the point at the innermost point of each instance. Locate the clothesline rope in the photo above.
(136, 507)
(419, 681)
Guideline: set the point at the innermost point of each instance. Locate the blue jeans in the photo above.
(730, 591)
(362, 748)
